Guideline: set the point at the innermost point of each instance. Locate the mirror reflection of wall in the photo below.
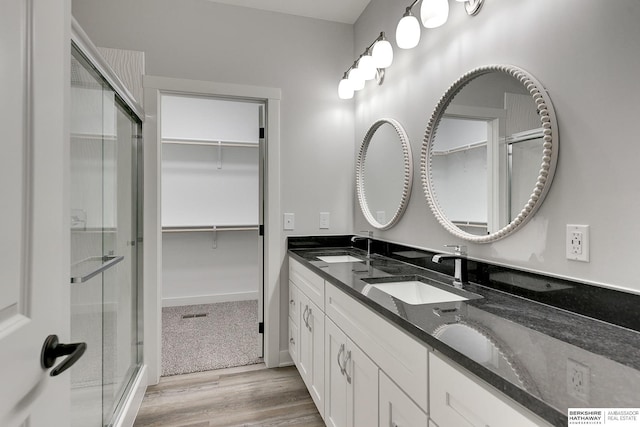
(384, 173)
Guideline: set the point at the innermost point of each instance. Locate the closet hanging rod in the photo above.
(211, 143)
(200, 228)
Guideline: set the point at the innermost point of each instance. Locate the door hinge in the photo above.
(261, 133)
(261, 328)
(261, 230)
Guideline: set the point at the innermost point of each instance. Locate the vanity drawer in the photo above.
(307, 281)
(458, 400)
(400, 356)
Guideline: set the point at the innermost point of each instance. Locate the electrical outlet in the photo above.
(578, 376)
(578, 242)
(325, 219)
(289, 221)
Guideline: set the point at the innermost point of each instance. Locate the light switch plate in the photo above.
(289, 221)
(325, 220)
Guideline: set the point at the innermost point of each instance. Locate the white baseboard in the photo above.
(285, 359)
(132, 405)
(208, 299)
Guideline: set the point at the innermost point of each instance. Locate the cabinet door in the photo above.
(335, 406)
(396, 409)
(311, 350)
(305, 347)
(294, 302)
(294, 337)
(362, 378)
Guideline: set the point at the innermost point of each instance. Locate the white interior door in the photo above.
(34, 224)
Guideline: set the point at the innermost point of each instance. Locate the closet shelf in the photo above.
(461, 148)
(211, 143)
(477, 224)
(208, 228)
(527, 135)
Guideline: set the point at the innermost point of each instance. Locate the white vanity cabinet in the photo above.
(351, 382)
(294, 322)
(397, 409)
(306, 328)
(364, 371)
(311, 349)
(458, 400)
(400, 356)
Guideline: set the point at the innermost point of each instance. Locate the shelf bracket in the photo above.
(215, 237)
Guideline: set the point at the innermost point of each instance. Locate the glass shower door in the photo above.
(104, 246)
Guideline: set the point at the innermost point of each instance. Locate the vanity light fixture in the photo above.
(433, 14)
(370, 65)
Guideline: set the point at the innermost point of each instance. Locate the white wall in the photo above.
(585, 53)
(201, 40)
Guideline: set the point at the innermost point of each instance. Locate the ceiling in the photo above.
(346, 11)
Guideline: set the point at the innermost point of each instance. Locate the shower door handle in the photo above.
(52, 349)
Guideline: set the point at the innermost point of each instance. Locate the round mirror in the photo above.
(384, 173)
(489, 153)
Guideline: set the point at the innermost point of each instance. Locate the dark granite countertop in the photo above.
(524, 344)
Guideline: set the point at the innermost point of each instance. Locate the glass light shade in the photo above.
(367, 66)
(356, 79)
(345, 89)
(382, 54)
(408, 32)
(434, 13)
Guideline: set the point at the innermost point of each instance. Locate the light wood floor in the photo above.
(245, 396)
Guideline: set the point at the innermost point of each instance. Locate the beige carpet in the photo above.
(204, 337)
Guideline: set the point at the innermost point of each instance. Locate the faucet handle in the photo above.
(458, 249)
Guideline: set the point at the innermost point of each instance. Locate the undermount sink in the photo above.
(414, 292)
(330, 259)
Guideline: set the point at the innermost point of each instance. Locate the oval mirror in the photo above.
(489, 153)
(384, 173)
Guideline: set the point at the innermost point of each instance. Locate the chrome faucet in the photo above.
(369, 237)
(460, 256)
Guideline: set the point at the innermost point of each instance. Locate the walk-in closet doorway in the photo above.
(212, 171)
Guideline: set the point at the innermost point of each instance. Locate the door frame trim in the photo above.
(274, 243)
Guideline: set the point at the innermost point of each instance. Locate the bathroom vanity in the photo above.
(389, 341)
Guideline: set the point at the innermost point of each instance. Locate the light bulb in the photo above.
(345, 88)
(408, 31)
(434, 13)
(356, 79)
(382, 53)
(367, 66)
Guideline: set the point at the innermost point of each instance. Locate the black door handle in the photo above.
(52, 349)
